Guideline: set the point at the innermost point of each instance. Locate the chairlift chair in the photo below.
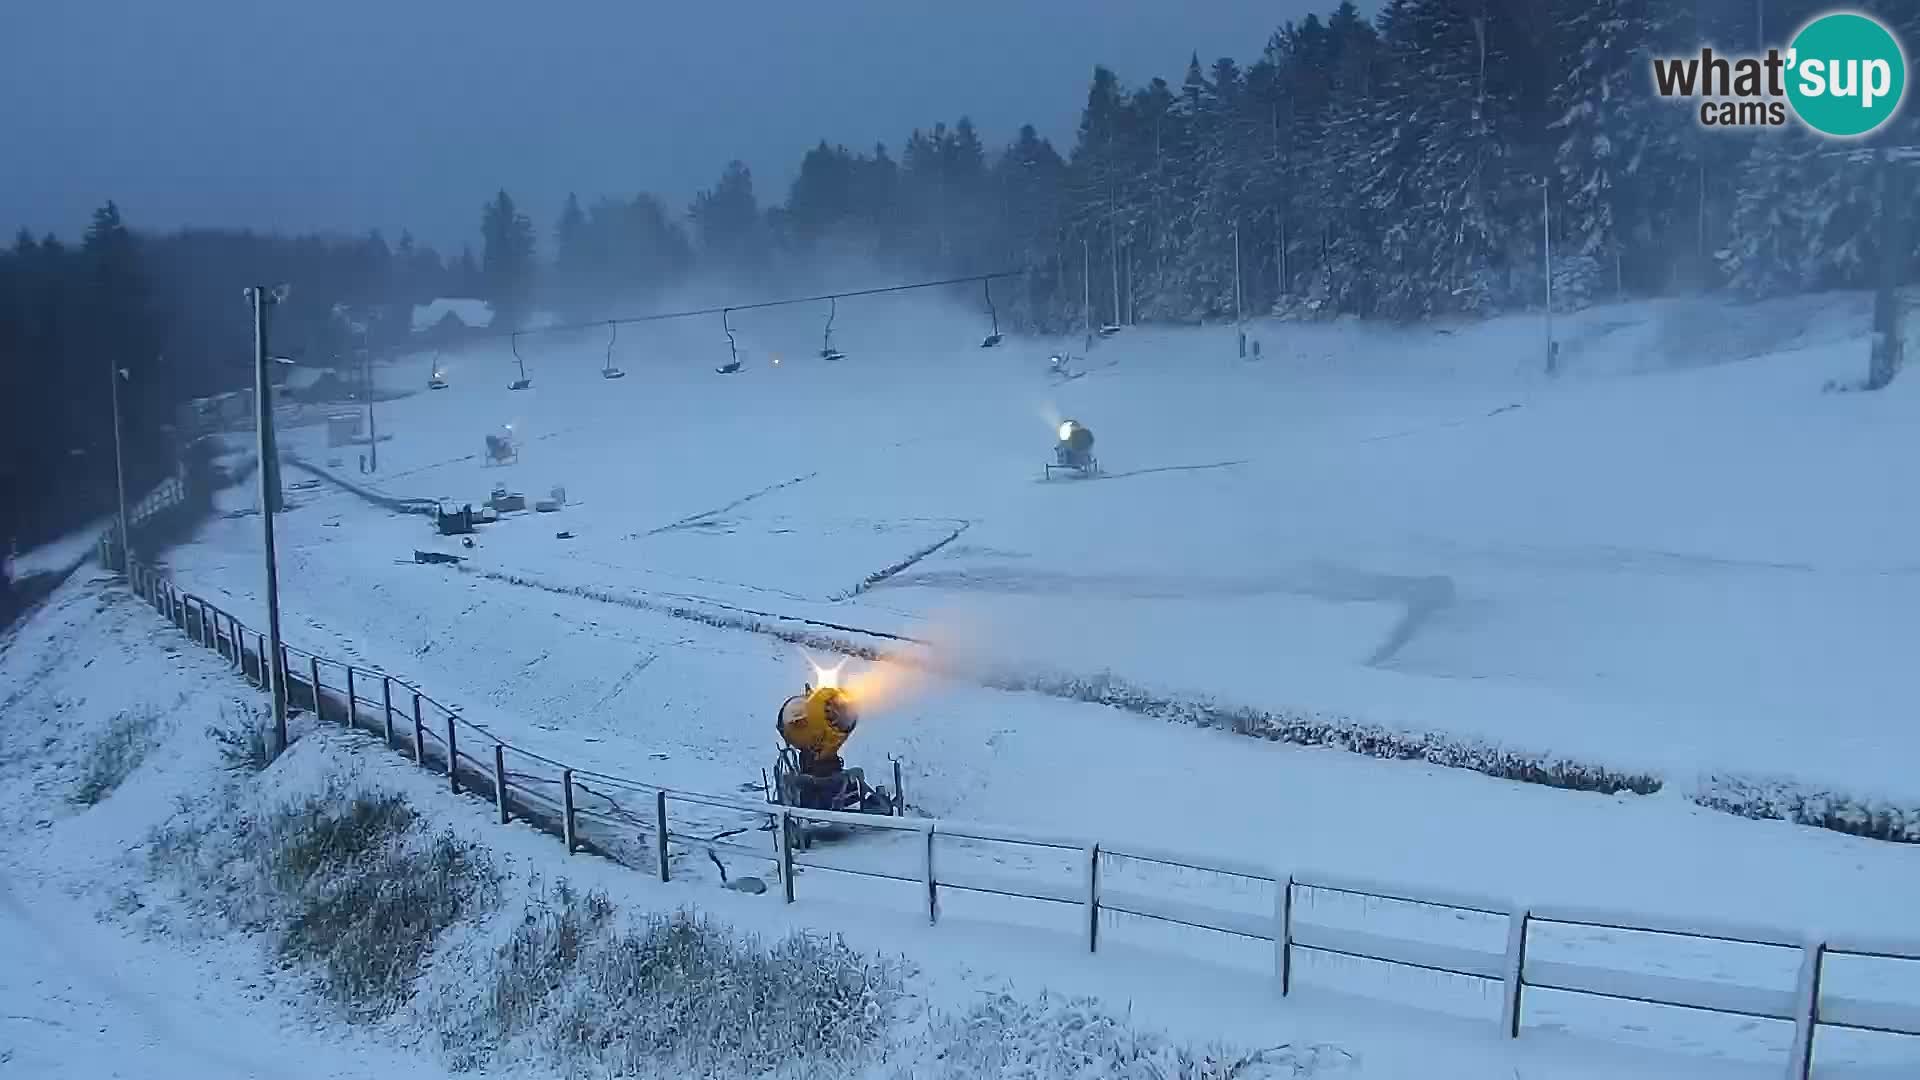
(522, 382)
(437, 380)
(993, 338)
(732, 366)
(827, 351)
(609, 371)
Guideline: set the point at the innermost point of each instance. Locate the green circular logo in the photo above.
(1846, 74)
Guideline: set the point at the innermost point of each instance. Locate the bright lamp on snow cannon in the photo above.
(814, 724)
(1073, 449)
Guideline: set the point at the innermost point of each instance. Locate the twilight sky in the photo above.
(303, 114)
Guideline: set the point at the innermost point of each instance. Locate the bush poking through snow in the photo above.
(115, 754)
(344, 879)
(1059, 1039)
(243, 743)
(674, 994)
(372, 926)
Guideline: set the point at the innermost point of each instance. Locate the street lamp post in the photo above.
(263, 300)
(373, 437)
(114, 375)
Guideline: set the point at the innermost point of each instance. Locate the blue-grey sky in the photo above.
(348, 114)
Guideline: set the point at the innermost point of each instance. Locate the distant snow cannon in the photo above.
(810, 774)
(1073, 450)
(501, 449)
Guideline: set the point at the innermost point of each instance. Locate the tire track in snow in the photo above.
(880, 576)
(706, 515)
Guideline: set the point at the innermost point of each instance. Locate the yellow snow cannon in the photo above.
(810, 774)
(1073, 449)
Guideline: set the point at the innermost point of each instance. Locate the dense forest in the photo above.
(1400, 166)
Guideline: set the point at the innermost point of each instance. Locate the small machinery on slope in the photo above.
(814, 724)
(1073, 450)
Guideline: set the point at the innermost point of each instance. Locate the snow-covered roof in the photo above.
(304, 376)
(473, 313)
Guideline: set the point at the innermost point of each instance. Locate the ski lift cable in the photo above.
(755, 306)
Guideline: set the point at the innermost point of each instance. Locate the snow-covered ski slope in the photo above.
(1680, 556)
(1694, 565)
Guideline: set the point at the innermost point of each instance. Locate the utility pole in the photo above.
(263, 300)
(120, 471)
(1239, 326)
(1546, 239)
(1894, 223)
(1236, 273)
(1086, 284)
(373, 437)
(1891, 231)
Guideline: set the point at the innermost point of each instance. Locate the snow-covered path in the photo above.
(81, 1000)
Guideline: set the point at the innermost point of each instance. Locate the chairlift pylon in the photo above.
(992, 338)
(609, 371)
(827, 351)
(733, 350)
(522, 382)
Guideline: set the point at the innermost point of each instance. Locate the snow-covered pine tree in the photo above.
(1622, 159)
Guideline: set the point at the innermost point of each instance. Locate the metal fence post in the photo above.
(1516, 973)
(261, 662)
(239, 650)
(660, 830)
(786, 851)
(453, 758)
(282, 668)
(899, 791)
(313, 674)
(1093, 898)
(926, 873)
(419, 734)
(386, 708)
(500, 779)
(566, 808)
(353, 713)
(1806, 1011)
(1283, 934)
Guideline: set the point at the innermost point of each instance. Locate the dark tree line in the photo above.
(164, 313)
(1401, 166)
